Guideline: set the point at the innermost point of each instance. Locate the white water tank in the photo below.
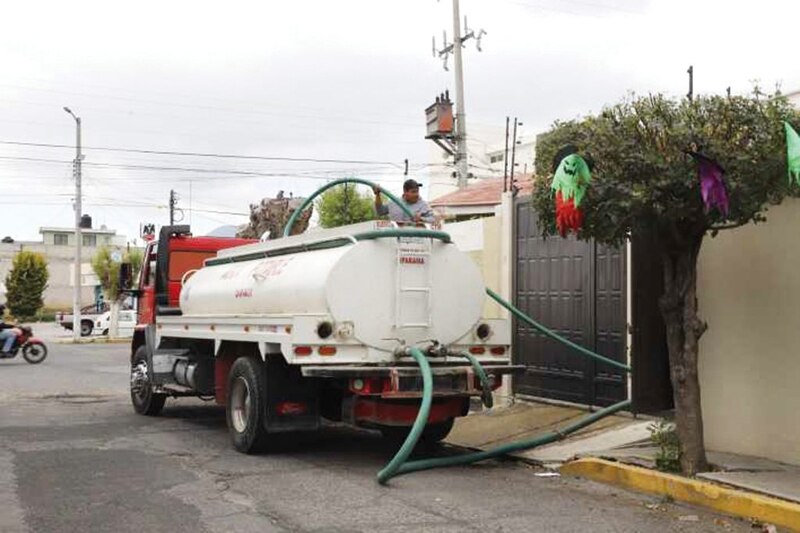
(389, 289)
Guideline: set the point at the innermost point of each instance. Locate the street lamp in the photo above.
(76, 172)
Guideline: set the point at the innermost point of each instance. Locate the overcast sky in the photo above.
(331, 80)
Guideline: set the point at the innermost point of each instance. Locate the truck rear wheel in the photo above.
(145, 401)
(432, 434)
(247, 405)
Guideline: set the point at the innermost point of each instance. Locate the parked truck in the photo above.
(287, 332)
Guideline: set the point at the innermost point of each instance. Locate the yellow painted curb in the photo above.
(705, 494)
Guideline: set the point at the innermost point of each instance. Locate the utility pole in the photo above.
(461, 161)
(514, 152)
(172, 201)
(690, 94)
(505, 161)
(76, 172)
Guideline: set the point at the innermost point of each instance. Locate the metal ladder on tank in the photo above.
(401, 289)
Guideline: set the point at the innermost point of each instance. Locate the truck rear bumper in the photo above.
(356, 371)
(396, 382)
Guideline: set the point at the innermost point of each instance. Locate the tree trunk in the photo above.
(113, 326)
(684, 329)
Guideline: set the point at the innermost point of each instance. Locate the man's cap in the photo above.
(411, 184)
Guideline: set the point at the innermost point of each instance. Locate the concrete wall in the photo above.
(749, 292)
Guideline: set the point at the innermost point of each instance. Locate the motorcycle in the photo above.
(33, 350)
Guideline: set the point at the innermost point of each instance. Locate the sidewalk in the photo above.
(52, 332)
(618, 450)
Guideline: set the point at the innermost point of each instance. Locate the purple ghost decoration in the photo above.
(712, 185)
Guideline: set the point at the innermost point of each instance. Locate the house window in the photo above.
(90, 240)
(61, 239)
(496, 158)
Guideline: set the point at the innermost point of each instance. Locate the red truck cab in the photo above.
(167, 263)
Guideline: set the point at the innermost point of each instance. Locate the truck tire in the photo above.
(86, 328)
(145, 401)
(431, 435)
(246, 407)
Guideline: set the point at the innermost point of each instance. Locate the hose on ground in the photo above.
(398, 465)
(390, 470)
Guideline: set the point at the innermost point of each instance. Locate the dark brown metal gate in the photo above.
(576, 288)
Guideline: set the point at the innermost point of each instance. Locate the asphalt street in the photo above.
(75, 457)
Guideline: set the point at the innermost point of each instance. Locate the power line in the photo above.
(315, 113)
(205, 154)
(218, 171)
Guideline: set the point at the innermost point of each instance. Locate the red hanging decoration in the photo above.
(568, 217)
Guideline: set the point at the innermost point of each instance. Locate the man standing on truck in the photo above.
(415, 204)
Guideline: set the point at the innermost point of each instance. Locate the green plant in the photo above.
(645, 184)
(663, 435)
(344, 205)
(25, 285)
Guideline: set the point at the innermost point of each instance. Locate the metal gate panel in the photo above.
(576, 289)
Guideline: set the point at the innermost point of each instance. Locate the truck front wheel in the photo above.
(247, 405)
(145, 401)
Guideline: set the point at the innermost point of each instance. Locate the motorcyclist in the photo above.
(7, 333)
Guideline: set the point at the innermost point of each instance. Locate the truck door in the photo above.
(147, 286)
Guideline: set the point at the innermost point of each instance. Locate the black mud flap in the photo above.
(292, 400)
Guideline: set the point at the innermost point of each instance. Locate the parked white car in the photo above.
(127, 323)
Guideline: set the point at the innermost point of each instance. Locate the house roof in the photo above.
(100, 231)
(486, 192)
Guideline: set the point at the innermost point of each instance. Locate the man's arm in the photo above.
(380, 209)
(426, 213)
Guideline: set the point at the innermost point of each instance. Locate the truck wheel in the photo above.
(86, 328)
(247, 405)
(437, 432)
(432, 434)
(145, 401)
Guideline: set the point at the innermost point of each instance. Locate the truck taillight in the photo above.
(498, 350)
(302, 350)
(327, 350)
(477, 350)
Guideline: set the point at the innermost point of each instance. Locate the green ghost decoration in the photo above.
(792, 153)
(572, 178)
(570, 181)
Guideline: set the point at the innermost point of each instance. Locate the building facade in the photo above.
(58, 248)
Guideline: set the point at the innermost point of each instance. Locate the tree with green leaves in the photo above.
(25, 284)
(646, 153)
(343, 204)
(107, 270)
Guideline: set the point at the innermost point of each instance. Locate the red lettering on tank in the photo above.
(243, 293)
(412, 260)
(271, 267)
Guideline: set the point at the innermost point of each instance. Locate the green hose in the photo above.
(552, 334)
(403, 232)
(488, 399)
(289, 225)
(398, 466)
(547, 438)
(390, 470)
